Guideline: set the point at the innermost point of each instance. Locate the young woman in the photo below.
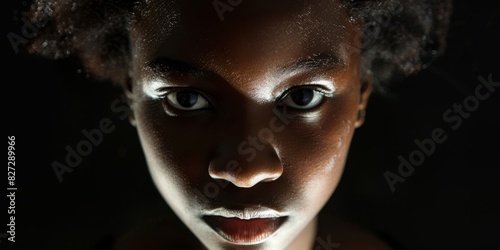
(246, 109)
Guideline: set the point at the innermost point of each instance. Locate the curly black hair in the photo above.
(400, 38)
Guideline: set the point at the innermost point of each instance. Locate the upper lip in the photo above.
(246, 213)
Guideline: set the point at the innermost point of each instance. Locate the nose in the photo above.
(247, 163)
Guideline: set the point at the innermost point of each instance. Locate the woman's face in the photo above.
(245, 111)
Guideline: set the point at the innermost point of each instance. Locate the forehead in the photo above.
(263, 33)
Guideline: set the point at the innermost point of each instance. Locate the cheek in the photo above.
(316, 150)
(312, 152)
(177, 150)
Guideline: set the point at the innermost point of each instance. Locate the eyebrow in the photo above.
(317, 61)
(165, 65)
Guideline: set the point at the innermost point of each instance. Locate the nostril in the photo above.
(229, 166)
(269, 179)
(217, 174)
(245, 177)
(250, 179)
(222, 182)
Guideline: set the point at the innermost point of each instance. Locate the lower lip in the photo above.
(246, 232)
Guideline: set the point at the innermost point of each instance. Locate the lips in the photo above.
(244, 231)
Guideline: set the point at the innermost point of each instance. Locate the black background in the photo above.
(449, 202)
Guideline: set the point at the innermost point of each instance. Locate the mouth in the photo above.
(245, 227)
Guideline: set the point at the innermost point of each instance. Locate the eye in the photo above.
(187, 100)
(302, 98)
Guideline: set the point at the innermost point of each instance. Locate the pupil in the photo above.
(187, 98)
(302, 97)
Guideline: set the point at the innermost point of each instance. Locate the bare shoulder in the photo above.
(333, 233)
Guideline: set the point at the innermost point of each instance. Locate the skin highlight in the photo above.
(245, 70)
(278, 92)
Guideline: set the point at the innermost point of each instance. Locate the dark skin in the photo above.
(264, 105)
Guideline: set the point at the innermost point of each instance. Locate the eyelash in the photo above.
(174, 111)
(279, 103)
(316, 88)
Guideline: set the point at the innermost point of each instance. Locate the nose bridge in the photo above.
(247, 155)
